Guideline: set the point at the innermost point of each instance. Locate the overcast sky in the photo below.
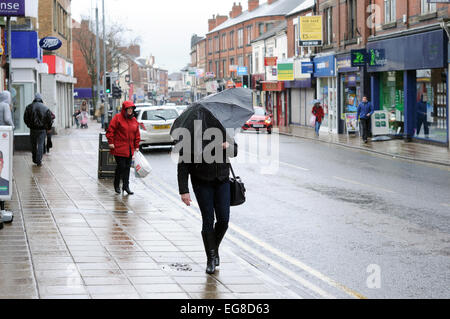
(164, 26)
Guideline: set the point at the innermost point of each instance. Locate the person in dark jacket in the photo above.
(124, 137)
(211, 184)
(319, 114)
(422, 116)
(38, 118)
(365, 112)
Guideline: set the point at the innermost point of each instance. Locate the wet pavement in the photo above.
(398, 148)
(72, 237)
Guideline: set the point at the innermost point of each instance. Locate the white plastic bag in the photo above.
(141, 165)
(312, 121)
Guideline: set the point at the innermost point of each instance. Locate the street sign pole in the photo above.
(8, 22)
(104, 65)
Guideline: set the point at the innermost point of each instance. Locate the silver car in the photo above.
(155, 124)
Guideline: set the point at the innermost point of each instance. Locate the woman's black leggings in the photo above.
(213, 199)
(123, 170)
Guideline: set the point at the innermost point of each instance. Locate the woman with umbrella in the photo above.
(209, 165)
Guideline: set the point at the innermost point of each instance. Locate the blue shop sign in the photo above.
(12, 8)
(25, 45)
(413, 52)
(344, 64)
(324, 66)
(307, 67)
(50, 43)
(242, 70)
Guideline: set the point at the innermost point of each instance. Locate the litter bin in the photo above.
(106, 162)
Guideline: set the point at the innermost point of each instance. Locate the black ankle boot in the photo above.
(209, 241)
(127, 189)
(117, 185)
(220, 230)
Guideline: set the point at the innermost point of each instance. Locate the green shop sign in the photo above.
(359, 58)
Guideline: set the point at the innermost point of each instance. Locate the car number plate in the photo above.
(258, 126)
(161, 127)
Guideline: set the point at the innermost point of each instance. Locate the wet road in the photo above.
(348, 223)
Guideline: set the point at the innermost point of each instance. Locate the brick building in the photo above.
(228, 42)
(35, 70)
(57, 87)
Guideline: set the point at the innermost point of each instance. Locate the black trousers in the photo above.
(213, 199)
(37, 145)
(422, 120)
(365, 129)
(122, 170)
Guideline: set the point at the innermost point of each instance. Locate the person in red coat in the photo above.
(320, 114)
(124, 138)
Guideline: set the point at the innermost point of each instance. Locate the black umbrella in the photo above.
(229, 109)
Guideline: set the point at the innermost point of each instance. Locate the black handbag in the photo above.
(237, 190)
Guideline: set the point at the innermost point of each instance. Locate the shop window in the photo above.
(431, 108)
(22, 96)
(392, 100)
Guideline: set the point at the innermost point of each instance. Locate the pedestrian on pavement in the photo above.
(124, 137)
(102, 114)
(75, 116)
(38, 118)
(319, 114)
(49, 142)
(83, 118)
(5, 109)
(365, 112)
(211, 185)
(422, 116)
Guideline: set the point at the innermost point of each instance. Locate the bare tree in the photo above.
(116, 48)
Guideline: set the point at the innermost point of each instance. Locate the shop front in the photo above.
(276, 102)
(26, 70)
(325, 73)
(409, 80)
(350, 91)
(301, 93)
(58, 90)
(258, 96)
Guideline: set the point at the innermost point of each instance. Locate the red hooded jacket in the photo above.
(124, 133)
(318, 112)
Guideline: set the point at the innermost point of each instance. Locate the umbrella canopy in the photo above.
(226, 110)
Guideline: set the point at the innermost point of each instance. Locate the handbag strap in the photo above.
(232, 171)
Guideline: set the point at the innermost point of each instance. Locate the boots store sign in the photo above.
(50, 43)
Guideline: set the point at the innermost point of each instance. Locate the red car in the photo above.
(260, 121)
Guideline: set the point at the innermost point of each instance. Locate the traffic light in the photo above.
(108, 84)
(117, 92)
(258, 86)
(246, 81)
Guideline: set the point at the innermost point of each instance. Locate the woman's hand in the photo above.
(111, 146)
(186, 198)
(225, 145)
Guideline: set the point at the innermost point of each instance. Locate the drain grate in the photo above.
(177, 267)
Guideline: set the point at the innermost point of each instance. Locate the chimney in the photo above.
(134, 50)
(212, 23)
(271, 1)
(236, 10)
(220, 19)
(253, 5)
